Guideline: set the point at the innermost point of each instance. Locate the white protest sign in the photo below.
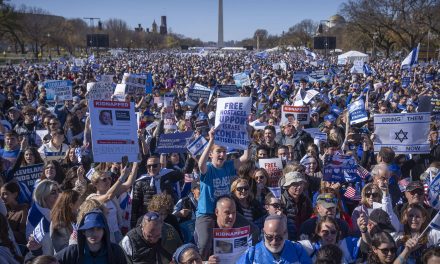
(231, 243)
(104, 78)
(114, 131)
(135, 83)
(197, 92)
(119, 93)
(404, 133)
(99, 91)
(357, 112)
(231, 122)
(274, 168)
(242, 79)
(62, 89)
(291, 113)
(358, 67)
(309, 95)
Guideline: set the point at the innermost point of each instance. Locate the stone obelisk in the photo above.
(220, 43)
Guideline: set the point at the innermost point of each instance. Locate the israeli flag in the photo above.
(368, 71)
(411, 59)
(197, 146)
(388, 95)
(309, 53)
(276, 191)
(92, 57)
(435, 223)
(262, 55)
(40, 230)
(434, 192)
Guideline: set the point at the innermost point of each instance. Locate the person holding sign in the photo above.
(215, 181)
(275, 248)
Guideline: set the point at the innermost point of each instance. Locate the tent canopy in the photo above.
(351, 56)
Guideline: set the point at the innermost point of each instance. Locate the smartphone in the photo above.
(124, 161)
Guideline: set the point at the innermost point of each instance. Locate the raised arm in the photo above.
(205, 155)
(130, 180)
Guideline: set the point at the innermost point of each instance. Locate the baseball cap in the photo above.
(327, 200)
(293, 177)
(413, 186)
(13, 108)
(382, 220)
(330, 118)
(92, 220)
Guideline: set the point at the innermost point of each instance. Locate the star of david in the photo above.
(401, 136)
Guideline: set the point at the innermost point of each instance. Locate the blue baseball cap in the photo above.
(92, 220)
(330, 118)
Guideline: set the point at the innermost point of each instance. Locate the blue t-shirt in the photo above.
(215, 183)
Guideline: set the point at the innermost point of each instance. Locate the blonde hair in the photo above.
(87, 206)
(161, 202)
(370, 186)
(236, 182)
(43, 190)
(95, 176)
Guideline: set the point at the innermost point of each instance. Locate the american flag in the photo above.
(363, 173)
(352, 194)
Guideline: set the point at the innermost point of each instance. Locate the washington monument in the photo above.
(220, 24)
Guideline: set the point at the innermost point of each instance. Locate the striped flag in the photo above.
(434, 192)
(40, 230)
(197, 146)
(411, 59)
(309, 53)
(363, 173)
(262, 55)
(435, 223)
(352, 194)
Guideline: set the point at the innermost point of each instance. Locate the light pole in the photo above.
(429, 36)
(48, 47)
(375, 37)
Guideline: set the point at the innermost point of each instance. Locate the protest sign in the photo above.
(230, 243)
(309, 95)
(169, 121)
(174, 142)
(291, 113)
(114, 131)
(99, 91)
(241, 79)
(429, 104)
(28, 175)
(149, 84)
(197, 92)
(78, 62)
(197, 146)
(119, 93)
(62, 89)
(104, 78)
(406, 81)
(358, 67)
(340, 168)
(274, 168)
(227, 90)
(135, 83)
(298, 75)
(404, 133)
(231, 122)
(357, 112)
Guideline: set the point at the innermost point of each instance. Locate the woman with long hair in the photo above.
(245, 203)
(383, 249)
(51, 171)
(74, 128)
(260, 177)
(8, 253)
(63, 216)
(17, 213)
(371, 195)
(70, 159)
(414, 220)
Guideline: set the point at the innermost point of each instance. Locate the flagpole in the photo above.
(424, 231)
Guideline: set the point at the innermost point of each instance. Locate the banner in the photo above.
(406, 82)
(135, 83)
(62, 89)
(242, 79)
(357, 112)
(274, 168)
(197, 146)
(197, 92)
(174, 142)
(340, 168)
(231, 122)
(149, 84)
(28, 175)
(297, 76)
(99, 91)
(429, 104)
(169, 116)
(114, 131)
(291, 113)
(404, 133)
(227, 90)
(231, 243)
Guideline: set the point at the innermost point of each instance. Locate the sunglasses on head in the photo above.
(151, 216)
(270, 238)
(372, 194)
(243, 188)
(153, 165)
(387, 251)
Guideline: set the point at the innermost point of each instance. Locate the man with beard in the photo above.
(275, 247)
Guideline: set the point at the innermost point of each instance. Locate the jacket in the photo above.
(298, 212)
(76, 253)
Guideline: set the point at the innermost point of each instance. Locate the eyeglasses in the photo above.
(154, 166)
(329, 232)
(262, 177)
(151, 216)
(417, 191)
(276, 205)
(270, 238)
(387, 251)
(372, 194)
(243, 189)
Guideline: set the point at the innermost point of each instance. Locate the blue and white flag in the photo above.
(368, 70)
(40, 230)
(262, 55)
(434, 192)
(276, 191)
(357, 112)
(91, 57)
(197, 146)
(388, 95)
(411, 59)
(309, 53)
(435, 223)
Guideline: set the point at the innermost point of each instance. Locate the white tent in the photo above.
(351, 56)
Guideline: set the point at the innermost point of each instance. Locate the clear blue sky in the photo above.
(197, 18)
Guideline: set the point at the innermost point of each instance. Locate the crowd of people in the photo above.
(164, 207)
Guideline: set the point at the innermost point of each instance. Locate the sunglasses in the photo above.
(387, 251)
(417, 191)
(372, 194)
(270, 238)
(154, 166)
(276, 205)
(243, 189)
(151, 216)
(260, 177)
(329, 232)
